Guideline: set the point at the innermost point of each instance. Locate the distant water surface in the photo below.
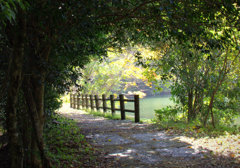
(149, 104)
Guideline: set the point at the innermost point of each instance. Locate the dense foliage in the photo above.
(203, 73)
(41, 42)
(117, 73)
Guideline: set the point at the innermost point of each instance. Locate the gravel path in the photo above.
(142, 145)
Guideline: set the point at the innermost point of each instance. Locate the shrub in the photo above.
(166, 114)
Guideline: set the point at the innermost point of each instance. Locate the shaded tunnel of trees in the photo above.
(44, 44)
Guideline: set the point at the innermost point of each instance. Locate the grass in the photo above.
(66, 146)
(196, 130)
(109, 115)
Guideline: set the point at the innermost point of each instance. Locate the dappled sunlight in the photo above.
(126, 153)
(228, 145)
(157, 148)
(128, 142)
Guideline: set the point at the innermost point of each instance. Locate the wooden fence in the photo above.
(78, 101)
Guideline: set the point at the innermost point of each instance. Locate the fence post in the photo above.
(104, 103)
(122, 107)
(112, 104)
(86, 101)
(74, 101)
(137, 108)
(70, 100)
(96, 102)
(78, 101)
(82, 101)
(91, 102)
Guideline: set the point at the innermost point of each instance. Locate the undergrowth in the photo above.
(194, 129)
(66, 146)
(173, 118)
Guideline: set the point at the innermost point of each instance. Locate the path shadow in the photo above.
(137, 145)
(163, 151)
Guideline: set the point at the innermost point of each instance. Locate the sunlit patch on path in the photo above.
(142, 145)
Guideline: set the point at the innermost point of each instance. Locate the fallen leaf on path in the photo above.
(232, 155)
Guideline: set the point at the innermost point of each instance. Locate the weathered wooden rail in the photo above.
(78, 101)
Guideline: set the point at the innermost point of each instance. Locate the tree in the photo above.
(114, 74)
(199, 67)
(35, 45)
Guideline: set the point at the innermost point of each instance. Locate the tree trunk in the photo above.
(222, 74)
(14, 84)
(38, 156)
(191, 112)
(26, 134)
(11, 112)
(34, 95)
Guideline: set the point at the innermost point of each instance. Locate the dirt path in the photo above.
(142, 145)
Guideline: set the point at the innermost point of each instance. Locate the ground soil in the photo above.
(144, 145)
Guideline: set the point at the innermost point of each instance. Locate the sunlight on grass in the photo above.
(65, 98)
(225, 145)
(220, 141)
(109, 115)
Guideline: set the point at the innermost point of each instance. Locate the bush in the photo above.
(52, 101)
(168, 113)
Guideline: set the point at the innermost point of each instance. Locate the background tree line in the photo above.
(118, 73)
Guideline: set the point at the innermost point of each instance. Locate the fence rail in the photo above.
(78, 101)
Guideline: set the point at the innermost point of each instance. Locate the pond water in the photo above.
(149, 104)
